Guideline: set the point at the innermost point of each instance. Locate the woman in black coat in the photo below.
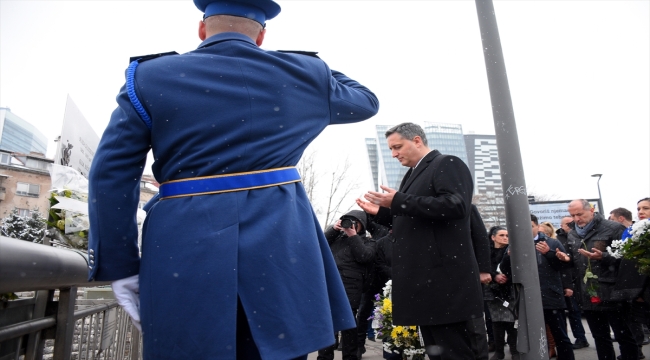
(498, 294)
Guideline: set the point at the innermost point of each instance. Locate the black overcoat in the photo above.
(435, 272)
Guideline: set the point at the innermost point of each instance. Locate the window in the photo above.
(26, 189)
(5, 158)
(23, 212)
(36, 164)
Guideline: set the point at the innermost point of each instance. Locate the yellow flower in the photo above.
(387, 306)
(387, 303)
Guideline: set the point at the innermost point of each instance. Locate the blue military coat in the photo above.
(225, 107)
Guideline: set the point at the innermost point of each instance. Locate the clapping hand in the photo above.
(562, 256)
(384, 199)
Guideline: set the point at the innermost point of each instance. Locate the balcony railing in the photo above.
(53, 324)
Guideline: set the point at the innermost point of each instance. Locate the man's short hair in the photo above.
(408, 131)
(533, 218)
(625, 213)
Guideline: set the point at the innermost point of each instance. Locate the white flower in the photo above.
(615, 253)
(639, 228)
(616, 244)
(388, 288)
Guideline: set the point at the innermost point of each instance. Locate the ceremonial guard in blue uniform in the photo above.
(232, 254)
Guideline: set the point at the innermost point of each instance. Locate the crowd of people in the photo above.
(564, 256)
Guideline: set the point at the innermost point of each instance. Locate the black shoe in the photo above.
(360, 351)
(498, 356)
(641, 356)
(646, 340)
(580, 344)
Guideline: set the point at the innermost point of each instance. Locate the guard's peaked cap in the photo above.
(258, 10)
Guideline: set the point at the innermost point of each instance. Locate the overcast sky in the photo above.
(579, 74)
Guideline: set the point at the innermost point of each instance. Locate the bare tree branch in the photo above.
(340, 189)
(308, 174)
(340, 186)
(491, 208)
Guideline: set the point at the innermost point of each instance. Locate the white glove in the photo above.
(127, 293)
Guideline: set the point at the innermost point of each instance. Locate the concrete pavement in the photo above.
(374, 349)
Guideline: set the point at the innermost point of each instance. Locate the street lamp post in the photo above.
(600, 198)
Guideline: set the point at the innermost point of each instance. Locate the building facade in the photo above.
(17, 135)
(483, 162)
(446, 138)
(373, 157)
(24, 183)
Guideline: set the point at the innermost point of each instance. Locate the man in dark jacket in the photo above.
(436, 280)
(353, 255)
(384, 257)
(575, 315)
(597, 271)
(372, 285)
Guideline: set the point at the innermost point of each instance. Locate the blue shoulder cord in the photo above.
(130, 90)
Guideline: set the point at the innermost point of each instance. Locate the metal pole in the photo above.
(600, 198)
(531, 339)
(65, 324)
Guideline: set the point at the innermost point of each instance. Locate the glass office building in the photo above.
(373, 156)
(17, 135)
(446, 138)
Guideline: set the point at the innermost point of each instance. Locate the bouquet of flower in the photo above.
(68, 216)
(404, 340)
(67, 225)
(636, 247)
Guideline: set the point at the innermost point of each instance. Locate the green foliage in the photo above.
(8, 296)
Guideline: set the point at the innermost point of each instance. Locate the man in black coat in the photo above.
(436, 280)
(353, 254)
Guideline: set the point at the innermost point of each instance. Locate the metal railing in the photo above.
(40, 327)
